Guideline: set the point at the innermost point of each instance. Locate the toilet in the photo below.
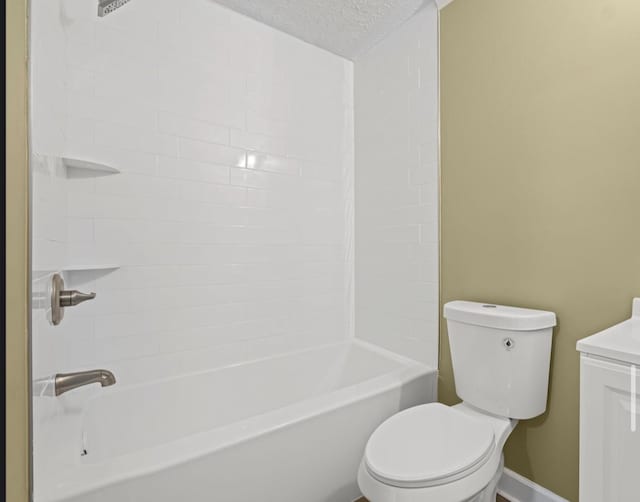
(439, 453)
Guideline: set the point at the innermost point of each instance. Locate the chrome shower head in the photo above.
(108, 6)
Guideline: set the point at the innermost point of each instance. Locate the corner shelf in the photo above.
(78, 168)
(83, 268)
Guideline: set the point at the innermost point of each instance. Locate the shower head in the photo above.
(108, 6)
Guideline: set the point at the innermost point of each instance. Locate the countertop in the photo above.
(620, 342)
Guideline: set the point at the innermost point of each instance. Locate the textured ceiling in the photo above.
(345, 27)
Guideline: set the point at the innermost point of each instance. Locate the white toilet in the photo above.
(438, 453)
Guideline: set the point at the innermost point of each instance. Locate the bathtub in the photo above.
(285, 429)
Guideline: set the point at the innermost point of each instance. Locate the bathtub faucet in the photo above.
(64, 382)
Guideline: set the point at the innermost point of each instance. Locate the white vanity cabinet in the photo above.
(610, 413)
(609, 445)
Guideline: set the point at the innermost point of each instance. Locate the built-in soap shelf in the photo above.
(79, 168)
(83, 268)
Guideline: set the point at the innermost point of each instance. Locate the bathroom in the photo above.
(246, 241)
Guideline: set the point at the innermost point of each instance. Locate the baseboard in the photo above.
(517, 488)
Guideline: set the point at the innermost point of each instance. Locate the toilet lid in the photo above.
(428, 445)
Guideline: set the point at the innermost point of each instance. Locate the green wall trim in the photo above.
(17, 264)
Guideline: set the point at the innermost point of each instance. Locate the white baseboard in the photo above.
(517, 488)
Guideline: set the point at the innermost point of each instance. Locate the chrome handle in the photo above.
(71, 298)
(61, 298)
(64, 382)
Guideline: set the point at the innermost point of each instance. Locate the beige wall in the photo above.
(17, 410)
(541, 185)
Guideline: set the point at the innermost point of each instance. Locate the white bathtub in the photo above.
(285, 429)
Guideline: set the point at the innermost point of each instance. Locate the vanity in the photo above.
(610, 412)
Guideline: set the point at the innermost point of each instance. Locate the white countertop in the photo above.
(620, 342)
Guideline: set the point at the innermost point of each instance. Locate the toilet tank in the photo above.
(500, 357)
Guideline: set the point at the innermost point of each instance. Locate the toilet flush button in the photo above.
(508, 343)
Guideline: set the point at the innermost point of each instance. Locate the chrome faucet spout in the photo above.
(64, 382)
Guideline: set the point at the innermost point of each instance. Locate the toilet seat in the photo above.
(428, 445)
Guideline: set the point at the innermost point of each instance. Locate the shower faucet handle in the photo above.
(71, 298)
(61, 298)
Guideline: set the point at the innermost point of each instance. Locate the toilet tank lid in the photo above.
(498, 316)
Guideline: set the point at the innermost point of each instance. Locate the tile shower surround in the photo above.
(396, 218)
(232, 218)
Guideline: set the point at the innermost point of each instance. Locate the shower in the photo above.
(195, 168)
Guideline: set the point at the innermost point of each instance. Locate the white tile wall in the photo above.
(231, 218)
(396, 190)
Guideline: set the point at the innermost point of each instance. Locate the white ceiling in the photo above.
(345, 27)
